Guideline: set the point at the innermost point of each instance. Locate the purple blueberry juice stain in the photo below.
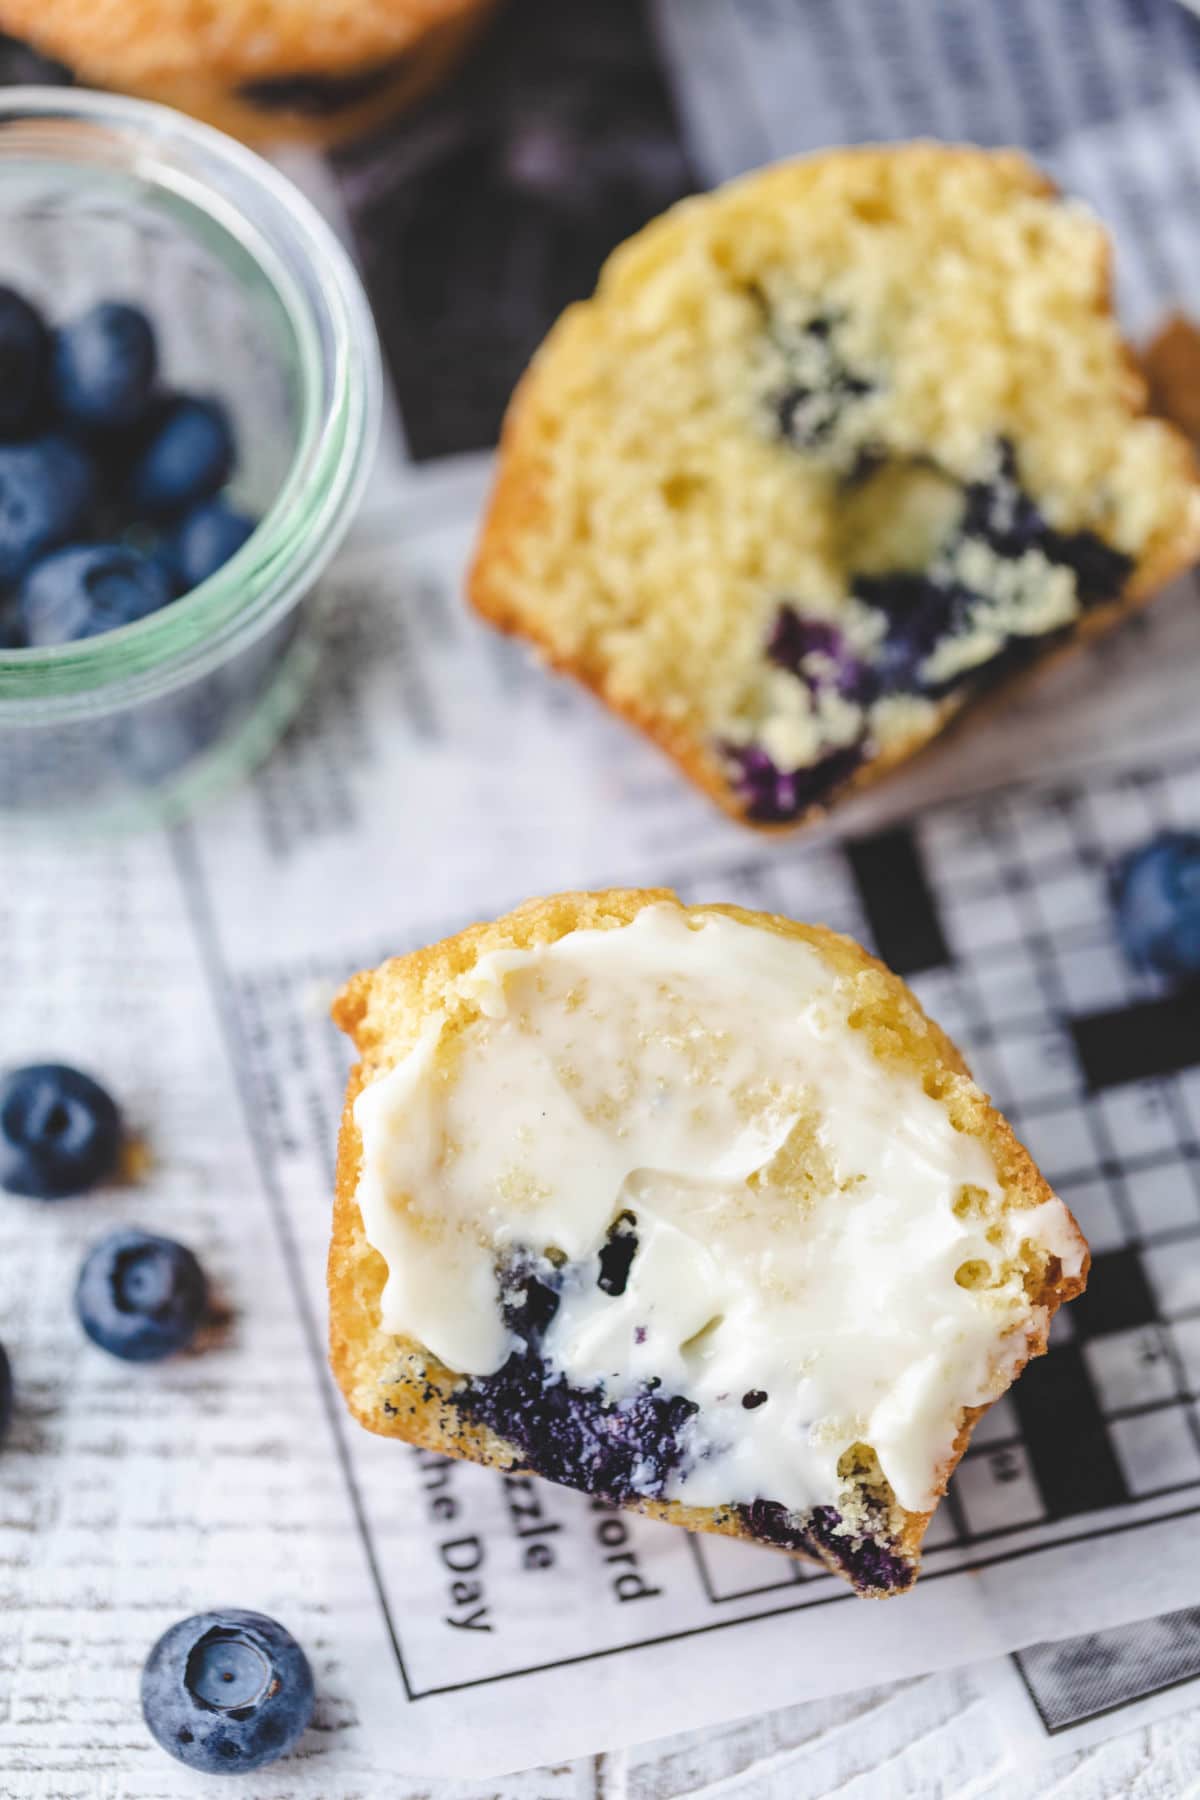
(817, 651)
(1100, 571)
(920, 610)
(870, 1563)
(618, 1450)
(774, 796)
(630, 1448)
(919, 613)
(1002, 515)
(1000, 512)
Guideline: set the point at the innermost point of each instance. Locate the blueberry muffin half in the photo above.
(265, 70)
(828, 452)
(688, 1207)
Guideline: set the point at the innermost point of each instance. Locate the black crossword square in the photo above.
(1118, 1296)
(1137, 1043)
(899, 901)
(1066, 1437)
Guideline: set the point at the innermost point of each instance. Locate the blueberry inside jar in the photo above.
(179, 464)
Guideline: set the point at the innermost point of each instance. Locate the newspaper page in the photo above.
(461, 1622)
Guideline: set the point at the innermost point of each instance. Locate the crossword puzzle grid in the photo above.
(996, 910)
(998, 913)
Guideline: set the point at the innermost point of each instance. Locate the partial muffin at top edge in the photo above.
(830, 451)
(690, 1208)
(312, 70)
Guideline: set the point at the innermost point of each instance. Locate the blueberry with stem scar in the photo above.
(227, 1692)
(140, 1297)
(87, 590)
(60, 1132)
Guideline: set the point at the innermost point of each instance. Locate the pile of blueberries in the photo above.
(224, 1692)
(110, 486)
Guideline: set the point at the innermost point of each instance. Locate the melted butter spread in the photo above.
(809, 1223)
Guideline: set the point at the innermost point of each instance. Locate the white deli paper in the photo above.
(461, 1622)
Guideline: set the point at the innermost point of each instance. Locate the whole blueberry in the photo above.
(60, 1132)
(206, 539)
(1156, 890)
(140, 1297)
(103, 366)
(226, 1692)
(6, 1391)
(87, 590)
(46, 487)
(24, 349)
(186, 457)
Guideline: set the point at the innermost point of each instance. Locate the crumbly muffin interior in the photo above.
(827, 449)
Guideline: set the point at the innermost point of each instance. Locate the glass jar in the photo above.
(254, 301)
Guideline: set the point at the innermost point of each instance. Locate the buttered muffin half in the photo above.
(829, 452)
(692, 1209)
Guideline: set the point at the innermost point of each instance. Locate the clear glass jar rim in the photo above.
(331, 461)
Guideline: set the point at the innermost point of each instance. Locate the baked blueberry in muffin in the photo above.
(829, 452)
(689, 1208)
